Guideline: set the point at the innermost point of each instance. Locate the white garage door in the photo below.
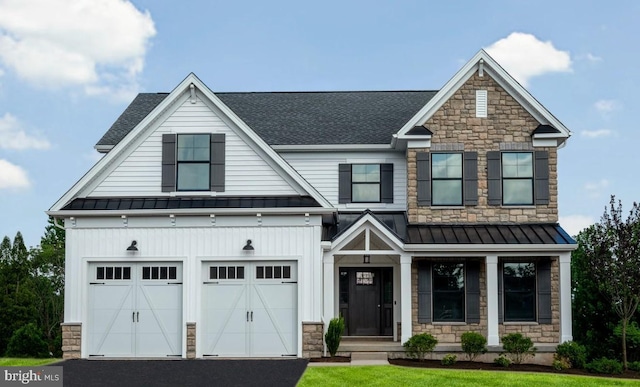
(250, 309)
(135, 310)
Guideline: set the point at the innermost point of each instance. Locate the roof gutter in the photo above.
(191, 211)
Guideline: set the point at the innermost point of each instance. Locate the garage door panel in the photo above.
(253, 313)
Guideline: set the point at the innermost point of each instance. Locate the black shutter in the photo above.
(168, 162)
(386, 183)
(423, 174)
(500, 299)
(424, 292)
(344, 183)
(472, 286)
(470, 178)
(542, 177)
(494, 177)
(216, 169)
(544, 291)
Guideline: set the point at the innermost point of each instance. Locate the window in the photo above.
(226, 272)
(159, 272)
(193, 158)
(446, 181)
(193, 162)
(519, 279)
(113, 273)
(448, 292)
(517, 178)
(273, 272)
(365, 183)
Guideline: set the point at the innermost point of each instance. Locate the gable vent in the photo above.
(481, 103)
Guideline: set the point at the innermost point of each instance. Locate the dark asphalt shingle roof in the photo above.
(302, 118)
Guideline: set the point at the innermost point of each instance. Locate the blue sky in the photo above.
(68, 68)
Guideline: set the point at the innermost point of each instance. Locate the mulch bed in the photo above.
(468, 365)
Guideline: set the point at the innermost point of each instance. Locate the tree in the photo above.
(613, 250)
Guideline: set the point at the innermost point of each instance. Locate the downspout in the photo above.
(55, 223)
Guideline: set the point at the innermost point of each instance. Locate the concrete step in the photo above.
(370, 346)
(369, 358)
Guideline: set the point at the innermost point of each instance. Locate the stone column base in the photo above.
(191, 340)
(71, 339)
(312, 339)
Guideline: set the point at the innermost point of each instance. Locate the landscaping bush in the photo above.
(518, 347)
(634, 366)
(573, 353)
(502, 361)
(419, 345)
(604, 366)
(449, 359)
(473, 344)
(560, 363)
(334, 334)
(27, 341)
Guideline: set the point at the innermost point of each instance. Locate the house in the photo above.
(239, 224)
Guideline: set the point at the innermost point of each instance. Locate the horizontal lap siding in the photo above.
(139, 173)
(321, 171)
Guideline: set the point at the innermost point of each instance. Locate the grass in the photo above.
(25, 362)
(405, 377)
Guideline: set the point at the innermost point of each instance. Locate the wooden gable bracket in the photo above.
(192, 91)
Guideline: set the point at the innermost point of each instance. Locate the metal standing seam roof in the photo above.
(164, 203)
(500, 234)
(301, 118)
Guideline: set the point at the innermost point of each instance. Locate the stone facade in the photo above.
(71, 340)
(451, 333)
(508, 126)
(191, 340)
(312, 339)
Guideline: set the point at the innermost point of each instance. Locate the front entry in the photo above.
(366, 300)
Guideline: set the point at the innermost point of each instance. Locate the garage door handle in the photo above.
(133, 316)
(251, 316)
(247, 316)
(137, 316)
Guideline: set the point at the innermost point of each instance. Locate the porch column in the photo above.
(327, 289)
(493, 335)
(405, 298)
(565, 297)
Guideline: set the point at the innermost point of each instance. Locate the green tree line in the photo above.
(32, 295)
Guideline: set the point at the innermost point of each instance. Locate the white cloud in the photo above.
(12, 176)
(599, 133)
(593, 58)
(62, 43)
(595, 189)
(573, 224)
(524, 56)
(606, 106)
(12, 136)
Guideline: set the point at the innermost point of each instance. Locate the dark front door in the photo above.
(366, 301)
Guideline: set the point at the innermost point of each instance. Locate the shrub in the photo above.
(573, 353)
(419, 345)
(27, 341)
(449, 359)
(502, 361)
(634, 366)
(518, 347)
(334, 334)
(604, 366)
(473, 344)
(560, 363)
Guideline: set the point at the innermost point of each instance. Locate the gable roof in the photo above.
(147, 122)
(483, 62)
(300, 118)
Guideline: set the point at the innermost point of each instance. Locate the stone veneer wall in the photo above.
(312, 339)
(451, 333)
(541, 333)
(71, 340)
(191, 340)
(448, 332)
(508, 126)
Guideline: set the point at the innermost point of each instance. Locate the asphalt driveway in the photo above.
(182, 373)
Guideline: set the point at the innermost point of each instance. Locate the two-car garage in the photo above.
(248, 309)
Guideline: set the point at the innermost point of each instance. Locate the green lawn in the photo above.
(405, 377)
(28, 362)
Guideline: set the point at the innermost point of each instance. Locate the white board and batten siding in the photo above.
(191, 247)
(139, 173)
(320, 169)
